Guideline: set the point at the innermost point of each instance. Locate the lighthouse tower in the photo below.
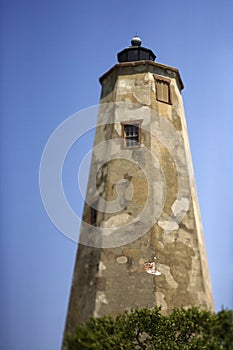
(141, 241)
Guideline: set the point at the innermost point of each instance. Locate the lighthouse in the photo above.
(141, 241)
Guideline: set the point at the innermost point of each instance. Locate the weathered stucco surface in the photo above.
(110, 280)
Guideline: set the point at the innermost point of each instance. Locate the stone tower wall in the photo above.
(158, 258)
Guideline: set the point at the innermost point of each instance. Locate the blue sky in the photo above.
(52, 54)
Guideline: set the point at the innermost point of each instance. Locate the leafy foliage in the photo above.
(190, 329)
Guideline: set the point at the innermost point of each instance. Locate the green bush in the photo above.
(190, 329)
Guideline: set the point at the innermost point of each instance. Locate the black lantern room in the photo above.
(136, 52)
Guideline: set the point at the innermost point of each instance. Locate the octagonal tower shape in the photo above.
(152, 256)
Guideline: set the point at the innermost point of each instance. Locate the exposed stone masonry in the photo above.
(111, 280)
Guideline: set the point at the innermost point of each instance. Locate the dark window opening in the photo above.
(93, 217)
(131, 135)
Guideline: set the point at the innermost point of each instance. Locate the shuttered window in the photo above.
(162, 89)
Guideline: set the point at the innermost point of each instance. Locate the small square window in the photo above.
(162, 86)
(131, 135)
